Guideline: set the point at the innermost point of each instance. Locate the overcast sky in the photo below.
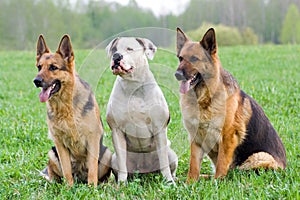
(159, 7)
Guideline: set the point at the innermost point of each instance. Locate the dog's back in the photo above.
(260, 137)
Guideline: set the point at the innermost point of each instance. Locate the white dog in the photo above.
(137, 112)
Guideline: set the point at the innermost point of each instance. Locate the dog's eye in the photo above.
(129, 49)
(53, 68)
(193, 59)
(39, 67)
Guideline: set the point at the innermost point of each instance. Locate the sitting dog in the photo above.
(137, 112)
(222, 120)
(73, 118)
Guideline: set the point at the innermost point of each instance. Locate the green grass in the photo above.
(271, 74)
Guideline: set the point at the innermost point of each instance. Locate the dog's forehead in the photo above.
(192, 48)
(50, 58)
(126, 42)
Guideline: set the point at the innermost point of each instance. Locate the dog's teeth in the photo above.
(53, 86)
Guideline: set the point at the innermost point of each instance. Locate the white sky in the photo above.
(159, 7)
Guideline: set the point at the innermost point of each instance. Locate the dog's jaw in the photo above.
(121, 68)
(49, 90)
(185, 86)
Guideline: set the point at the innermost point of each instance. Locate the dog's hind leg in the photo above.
(104, 166)
(260, 160)
(53, 170)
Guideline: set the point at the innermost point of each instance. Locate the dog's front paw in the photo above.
(171, 182)
(122, 178)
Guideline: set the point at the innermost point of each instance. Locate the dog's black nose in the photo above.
(38, 81)
(117, 57)
(180, 76)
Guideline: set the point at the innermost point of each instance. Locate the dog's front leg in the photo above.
(65, 161)
(196, 157)
(119, 143)
(226, 150)
(92, 161)
(162, 150)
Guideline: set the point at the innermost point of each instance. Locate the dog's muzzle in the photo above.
(117, 57)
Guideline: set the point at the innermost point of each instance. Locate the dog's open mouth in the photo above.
(185, 86)
(49, 90)
(119, 69)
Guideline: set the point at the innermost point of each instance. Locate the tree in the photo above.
(290, 32)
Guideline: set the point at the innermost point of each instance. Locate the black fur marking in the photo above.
(76, 100)
(113, 47)
(261, 137)
(85, 84)
(140, 41)
(102, 149)
(89, 105)
(63, 68)
(151, 47)
(55, 152)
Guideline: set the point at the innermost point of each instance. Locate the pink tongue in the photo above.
(44, 95)
(184, 87)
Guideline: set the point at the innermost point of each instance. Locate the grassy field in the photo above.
(270, 74)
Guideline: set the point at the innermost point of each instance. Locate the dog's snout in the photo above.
(117, 57)
(38, 81)
(180, 76)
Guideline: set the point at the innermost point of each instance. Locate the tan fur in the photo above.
(260, 160)
(217, 113)
(72, 115)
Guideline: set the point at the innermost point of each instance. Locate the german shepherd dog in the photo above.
(221, 119)
(73, 118)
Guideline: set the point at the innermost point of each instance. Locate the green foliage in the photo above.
(249, 37)
(268, 73)
(90, 22)
(226, 36)
(291, 26)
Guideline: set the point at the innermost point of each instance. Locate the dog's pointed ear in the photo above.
(181, 39)
(41, 47)
(209, 42)
(65, 48)
(149, 47)
(111, 48)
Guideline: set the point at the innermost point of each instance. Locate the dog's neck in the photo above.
(61, 105)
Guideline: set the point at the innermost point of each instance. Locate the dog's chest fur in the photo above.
(65, 119)
(139, 110)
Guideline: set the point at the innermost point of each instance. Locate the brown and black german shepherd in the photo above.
(222, 120)
(73, 118)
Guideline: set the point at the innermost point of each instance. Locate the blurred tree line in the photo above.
(90, 22)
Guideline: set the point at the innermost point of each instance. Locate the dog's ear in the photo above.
(148, 46)
(41, 47)
(181, 40)
(112, 47)
(209, 42)
(65, 48)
